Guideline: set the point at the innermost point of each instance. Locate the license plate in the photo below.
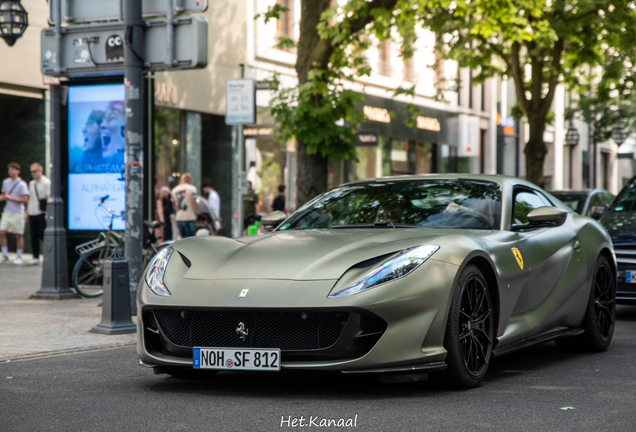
(236, 359)
(630, 277)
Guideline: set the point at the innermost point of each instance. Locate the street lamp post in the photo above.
(13, 20)
(620, 132)
(571, 139)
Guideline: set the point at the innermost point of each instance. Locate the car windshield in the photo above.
(626, 200)
(574, 201)
(468, 204)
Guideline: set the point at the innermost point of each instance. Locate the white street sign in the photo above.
(240, 106)
(469, 136)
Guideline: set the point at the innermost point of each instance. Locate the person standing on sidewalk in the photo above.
(39, 193)
(16, 194)
(185, 197)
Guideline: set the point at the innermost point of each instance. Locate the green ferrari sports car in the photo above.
(431, 274)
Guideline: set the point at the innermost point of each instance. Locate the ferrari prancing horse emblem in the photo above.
(517, 255)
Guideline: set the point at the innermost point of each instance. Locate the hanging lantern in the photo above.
(620, 133)
(13, 20)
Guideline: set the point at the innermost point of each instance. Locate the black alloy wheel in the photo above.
(604, 301)
(475, 326)
(470, 332)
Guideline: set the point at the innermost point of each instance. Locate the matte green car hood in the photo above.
(295, 255)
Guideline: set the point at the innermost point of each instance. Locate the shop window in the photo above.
(448, 159)
(167, 147)
(403, 157)
(367, 165)
(265, 161)
(424, 158)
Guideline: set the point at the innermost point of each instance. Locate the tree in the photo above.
(320, 112)
(538, 43)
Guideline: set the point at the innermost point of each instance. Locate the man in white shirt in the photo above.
(214, 201)
(15, 193)
(39, 193)
(185, 197)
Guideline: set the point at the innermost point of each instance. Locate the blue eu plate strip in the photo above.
(196, 358)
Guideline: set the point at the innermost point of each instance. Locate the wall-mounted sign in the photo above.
(469, 136)
(377, 114)
(166, 93)
(367, 138)
(258, 131)
(428, 123)
(240, 105)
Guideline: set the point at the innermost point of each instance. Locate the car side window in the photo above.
(595, 201)
(525, 202)
(608, 198)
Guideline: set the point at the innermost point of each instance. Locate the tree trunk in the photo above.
(311, 170)
(535, 150)
(311, 175)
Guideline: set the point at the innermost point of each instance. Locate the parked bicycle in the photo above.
(88, 274)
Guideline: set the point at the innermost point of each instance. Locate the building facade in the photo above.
(465, 129)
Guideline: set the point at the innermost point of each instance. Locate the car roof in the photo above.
(495, 178)
(580, 191)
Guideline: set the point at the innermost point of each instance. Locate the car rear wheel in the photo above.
(600, 314)
(469, 332)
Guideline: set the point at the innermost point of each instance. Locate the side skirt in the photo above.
(545, 337)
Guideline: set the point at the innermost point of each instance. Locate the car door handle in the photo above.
(577, 246)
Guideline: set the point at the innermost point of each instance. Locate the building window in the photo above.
(285, 24)
(384, 63)
(409, 70)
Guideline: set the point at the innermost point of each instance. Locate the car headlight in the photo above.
(395, 268)
(156, 271)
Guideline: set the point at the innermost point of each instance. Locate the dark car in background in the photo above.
(620, 222)
(583, 201)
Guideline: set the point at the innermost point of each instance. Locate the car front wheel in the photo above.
(469, 332)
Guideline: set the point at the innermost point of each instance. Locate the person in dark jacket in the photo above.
(167, 209)
(279, 201)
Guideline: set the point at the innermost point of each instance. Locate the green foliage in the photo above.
(273, 13)
(612, 96)
(550, 38)
(322, 112)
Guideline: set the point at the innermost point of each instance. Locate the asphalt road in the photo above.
(107, 390)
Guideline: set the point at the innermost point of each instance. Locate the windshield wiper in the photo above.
(375, 225)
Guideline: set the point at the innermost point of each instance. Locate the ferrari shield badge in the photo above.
(517, 255)
(243, 293)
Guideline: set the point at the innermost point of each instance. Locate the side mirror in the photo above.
(598, 211)
(272, 220)
(543, 217)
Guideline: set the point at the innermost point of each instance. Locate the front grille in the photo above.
(626, 256)
(289, 331)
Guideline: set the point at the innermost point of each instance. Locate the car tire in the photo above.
(470, 332)
(600, 314)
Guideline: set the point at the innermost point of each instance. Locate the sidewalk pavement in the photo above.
(33, 328)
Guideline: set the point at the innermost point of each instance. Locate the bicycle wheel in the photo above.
(88, 273)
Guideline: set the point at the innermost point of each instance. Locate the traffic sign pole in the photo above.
(133, 82)
(241, 167)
